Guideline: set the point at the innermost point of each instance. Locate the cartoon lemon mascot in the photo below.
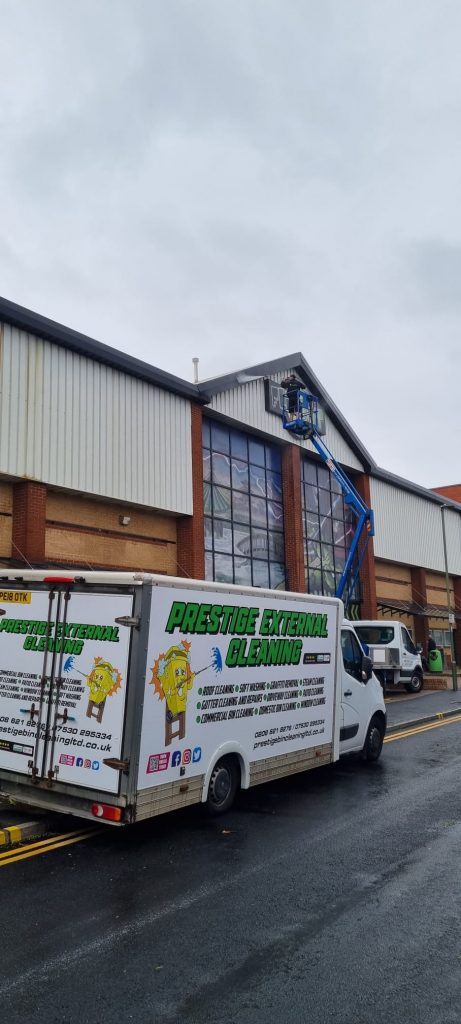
(102, 682)
(172, 678)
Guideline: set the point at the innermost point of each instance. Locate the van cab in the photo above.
(395, 658)
(363, 712)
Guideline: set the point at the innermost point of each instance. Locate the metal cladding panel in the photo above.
(246, 405)
(408, 529)
(71, 422)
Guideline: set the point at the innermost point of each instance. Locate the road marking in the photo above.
(69, 838)
(46, 846)
(417, 729)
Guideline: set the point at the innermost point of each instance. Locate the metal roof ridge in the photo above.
(296, 361)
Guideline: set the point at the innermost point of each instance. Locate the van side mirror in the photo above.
(367, 668)
(419, 648)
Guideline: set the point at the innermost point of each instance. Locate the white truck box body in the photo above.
(125, 690)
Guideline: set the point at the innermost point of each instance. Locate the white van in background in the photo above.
(396, 660)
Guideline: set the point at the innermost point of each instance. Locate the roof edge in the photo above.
(51, 330)
(295, 361)
(408, 485)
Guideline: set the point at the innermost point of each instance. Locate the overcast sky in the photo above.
(242, 180)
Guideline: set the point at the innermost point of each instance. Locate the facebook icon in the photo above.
(176, 759)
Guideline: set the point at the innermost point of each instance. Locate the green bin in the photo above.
(435, 661)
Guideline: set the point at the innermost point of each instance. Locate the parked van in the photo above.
(395, 658)
(123, 696)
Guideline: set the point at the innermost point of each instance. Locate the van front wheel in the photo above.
(415, 684)
(374, 740)
(223, 786)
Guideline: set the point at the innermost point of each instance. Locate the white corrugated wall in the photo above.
(72, 422)
(246, 405)
(408, 529)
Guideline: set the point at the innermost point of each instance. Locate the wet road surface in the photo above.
(332, 897)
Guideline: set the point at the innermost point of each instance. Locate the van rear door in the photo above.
(63, 678)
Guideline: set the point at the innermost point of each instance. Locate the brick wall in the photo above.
(457, 608)
(191, 539)
(452, 491)
(419, 595)
(369, 607)
(80, 531)
(29, 523)
(437, 589)
(6, 520)
(393, 582)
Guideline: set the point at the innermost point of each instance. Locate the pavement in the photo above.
(403, 711)
(20, 825)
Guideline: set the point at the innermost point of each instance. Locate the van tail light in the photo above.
(106, 812)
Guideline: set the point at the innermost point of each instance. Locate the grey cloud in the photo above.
(432, 284)
(240, 180)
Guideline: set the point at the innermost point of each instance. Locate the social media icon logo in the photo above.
(95, 766)
(176, 759)
(79, 762)
(87, 763)
(186, 756)
(196, 754)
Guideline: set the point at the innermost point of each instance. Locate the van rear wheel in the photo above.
(415, 684)
(223, 786)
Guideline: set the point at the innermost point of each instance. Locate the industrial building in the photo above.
(108, 462)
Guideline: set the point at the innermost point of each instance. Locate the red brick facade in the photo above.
(457, 608)
(29, 523)
(419, 596)
(452, 491)
(191, 542)
(294, 548)
(369, 607)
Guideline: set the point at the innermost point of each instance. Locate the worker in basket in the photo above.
(292, 386)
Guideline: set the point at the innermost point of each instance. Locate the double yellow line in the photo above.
(69, 838)
(417, 729)
(46, 846)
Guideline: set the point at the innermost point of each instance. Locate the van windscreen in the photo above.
(375, 634)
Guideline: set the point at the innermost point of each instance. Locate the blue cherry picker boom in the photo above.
(301, 417)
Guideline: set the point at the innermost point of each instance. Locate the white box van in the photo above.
(396, 660)
(123, 696)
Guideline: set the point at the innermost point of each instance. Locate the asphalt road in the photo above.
(332, 897)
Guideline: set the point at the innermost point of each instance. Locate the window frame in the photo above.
(258, 475)
(319, 492)
(356, 671)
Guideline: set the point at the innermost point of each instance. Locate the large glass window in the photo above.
(242, 480)
(328, 526)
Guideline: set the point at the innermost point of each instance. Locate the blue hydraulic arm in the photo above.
(301, 417)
